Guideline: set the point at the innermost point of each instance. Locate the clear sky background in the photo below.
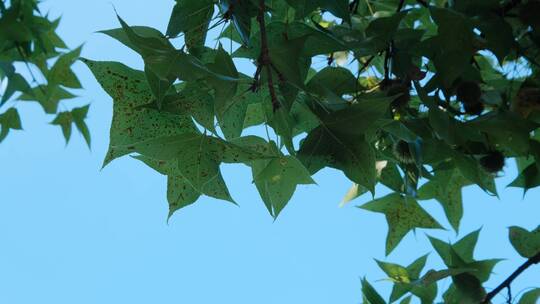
(73, 233)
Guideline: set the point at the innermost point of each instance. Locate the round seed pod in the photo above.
(468, 92)
(474, 109)
(493, 162)
(402, 152)
(404, 93)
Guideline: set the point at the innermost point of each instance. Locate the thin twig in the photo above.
(506, 283)
(256, 79)
(366, 64)
(26, 60)
(387, 61)
(264, 59)
(353, 6)
(390, 49)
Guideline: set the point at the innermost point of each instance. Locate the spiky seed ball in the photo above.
(468, 92)
(493, 162)
(474, 109)
(404, 93)
(402, 152)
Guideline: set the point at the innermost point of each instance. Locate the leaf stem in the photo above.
(506, 283)
(264, 58)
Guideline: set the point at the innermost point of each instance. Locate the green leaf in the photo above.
(225, 93)
(76, 116)
(351, 154)
(472, 171)
(319, 41)
(199, 166)
(286, 54)
(506, 130)
(195, 100)
(277, 179)
(241, 16)
(446, 189)
(16, 83)
(61, 72)
(406, 300)
(403, 214)
(79, 115)
(142, 31)
(433, 276)
(133, 123)
(441, 123)
(460, 255)
(337, 80)
(65, 121)
(180, 193)
(359, 118)
(528, 178)
(453, 44)
(231, 112)
(370, 295)
(381, 30)
(148, 43)
(530, 297)
(498, 34)
(406, 280)
(464, 247)
(48, 96)
(192, 18)
(303, 7)
(9, 120)
(526, 243)
(338, 8)
(159, 86)
(396, 273)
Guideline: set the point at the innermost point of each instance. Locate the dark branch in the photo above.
(353, 6)
(400, 5)
(264, 58)
(366, 64)
(506, 283)
(256, 79)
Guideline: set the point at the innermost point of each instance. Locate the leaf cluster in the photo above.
(421, 97)
(35, 65)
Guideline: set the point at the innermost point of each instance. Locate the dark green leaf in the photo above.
(526, 243)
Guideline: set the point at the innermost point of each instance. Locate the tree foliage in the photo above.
(420, 97)
(35, 65)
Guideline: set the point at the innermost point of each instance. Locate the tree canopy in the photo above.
(419, 97)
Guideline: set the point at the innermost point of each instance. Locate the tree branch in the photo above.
(353, 6)
(400, 5)
(264, 58)
(506, 283)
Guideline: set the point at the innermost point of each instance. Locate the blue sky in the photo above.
(73, 233)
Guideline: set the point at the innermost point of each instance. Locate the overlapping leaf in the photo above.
(403, 214)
